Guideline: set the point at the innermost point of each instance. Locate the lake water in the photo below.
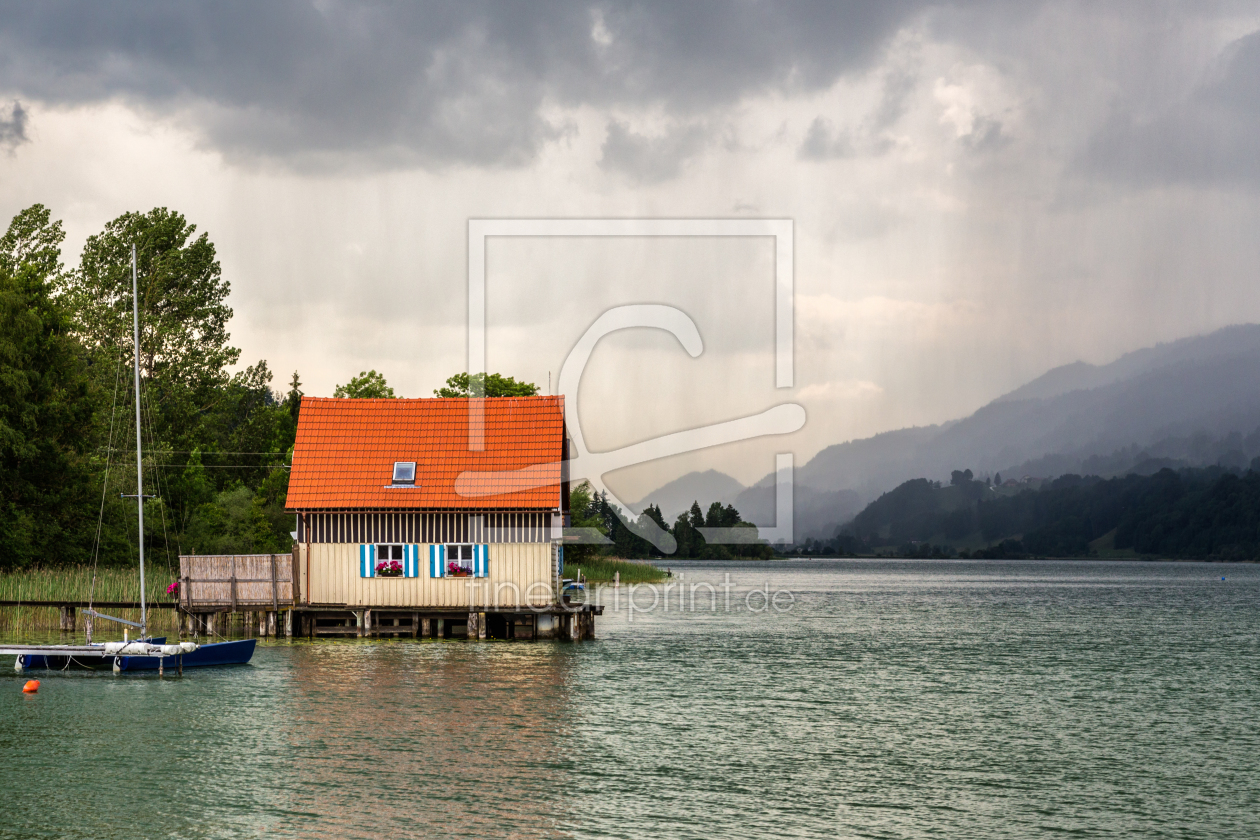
(890, 699)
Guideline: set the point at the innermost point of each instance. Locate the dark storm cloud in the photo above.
(433, 83)
(12, 126)
(1211, 136)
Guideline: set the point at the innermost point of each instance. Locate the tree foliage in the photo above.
(184, 351)
(47, 404)
(67, 429)
(368, 385)
(485, 385)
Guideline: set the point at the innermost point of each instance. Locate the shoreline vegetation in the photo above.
(74, 583)
(603, 569)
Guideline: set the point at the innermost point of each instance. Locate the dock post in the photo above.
(266, 623)
(473, 632)
(367, 623)
(67, 618)
(426, 629)
(415, 625)
(481, 625)
(288, 624)
(441, 628)
(210, 623)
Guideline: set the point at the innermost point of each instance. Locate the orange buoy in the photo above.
(31, 686)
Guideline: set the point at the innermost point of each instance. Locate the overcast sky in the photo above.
(980, 191)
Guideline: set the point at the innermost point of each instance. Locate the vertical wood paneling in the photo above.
(423, 527)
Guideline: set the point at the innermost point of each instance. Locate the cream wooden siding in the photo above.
(519, 572)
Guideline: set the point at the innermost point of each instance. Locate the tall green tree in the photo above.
(33, 240)
(184, 350)
(47, 404)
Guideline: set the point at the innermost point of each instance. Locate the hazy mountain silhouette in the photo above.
(703, 487)
(1190, 402)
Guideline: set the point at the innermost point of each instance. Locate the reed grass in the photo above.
(74, 583)
(602, 569)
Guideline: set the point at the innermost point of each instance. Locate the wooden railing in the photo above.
(237, 581)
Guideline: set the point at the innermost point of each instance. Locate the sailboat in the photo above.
(145, 653)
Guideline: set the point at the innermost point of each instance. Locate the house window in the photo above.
(389, 561)
(405, 472)
(459, 561)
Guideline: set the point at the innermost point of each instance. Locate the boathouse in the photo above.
(407, 524)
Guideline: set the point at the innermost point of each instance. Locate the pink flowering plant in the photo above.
(389, 568)
(173, 590)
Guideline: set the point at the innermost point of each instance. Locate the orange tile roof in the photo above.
(346, 448)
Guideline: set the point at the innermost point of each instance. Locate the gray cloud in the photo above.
(651, 159)
(1210, 136)
(824, 141)
(985, 136)
(433, 83)
(13, 127)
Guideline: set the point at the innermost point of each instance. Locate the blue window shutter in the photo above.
(367, 561)
(409, 561)
(560, 555)
(437, 568)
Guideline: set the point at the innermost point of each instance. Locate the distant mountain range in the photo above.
(1192, 402)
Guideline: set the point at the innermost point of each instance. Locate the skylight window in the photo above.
(405, 472)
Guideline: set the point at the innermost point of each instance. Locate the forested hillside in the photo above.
(1210, 513)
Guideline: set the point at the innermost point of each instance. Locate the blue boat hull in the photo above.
(218, 653)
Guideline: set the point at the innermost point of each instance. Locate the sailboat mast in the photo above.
(135, 328)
